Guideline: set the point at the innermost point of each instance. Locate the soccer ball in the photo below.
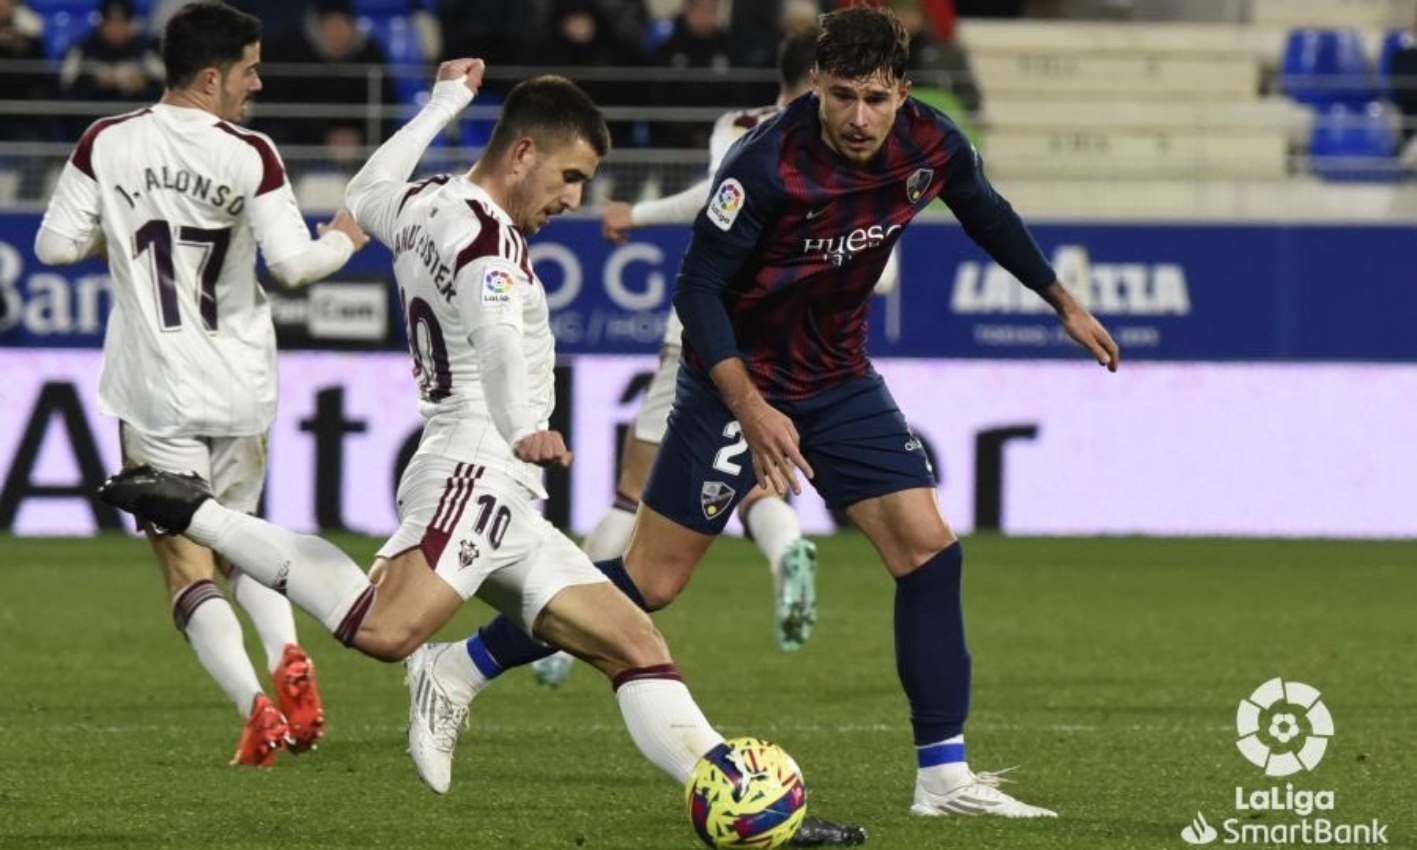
(746, 793)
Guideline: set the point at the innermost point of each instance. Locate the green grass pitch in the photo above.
(1109, 670)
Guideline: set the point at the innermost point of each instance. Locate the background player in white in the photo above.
(480, 336)
(182, 197)
(769, 520)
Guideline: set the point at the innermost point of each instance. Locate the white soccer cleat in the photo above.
(978, 797)
(435, 716)
(553, 670)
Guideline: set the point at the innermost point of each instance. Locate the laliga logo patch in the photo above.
(714, 497)
(723, 208)
(917, 184)
(496, 287)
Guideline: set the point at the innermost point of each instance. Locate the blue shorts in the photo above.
(854, 436)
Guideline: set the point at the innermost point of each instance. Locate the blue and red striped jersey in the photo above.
(784, 256)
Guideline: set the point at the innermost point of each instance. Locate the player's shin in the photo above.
(208, 622)
(313, 573)
(932, 659)
(664, 721)
(611, 535)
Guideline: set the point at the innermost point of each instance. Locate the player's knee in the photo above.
(659, 592)
(388, 644)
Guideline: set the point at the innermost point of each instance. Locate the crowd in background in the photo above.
(113, 55)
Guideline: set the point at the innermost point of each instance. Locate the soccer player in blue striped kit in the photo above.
(773, 293)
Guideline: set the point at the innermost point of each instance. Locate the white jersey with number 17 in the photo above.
(183, 199)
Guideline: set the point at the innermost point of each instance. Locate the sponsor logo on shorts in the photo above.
(714, 497)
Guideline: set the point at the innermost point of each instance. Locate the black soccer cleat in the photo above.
(164, 499)
(820, 832)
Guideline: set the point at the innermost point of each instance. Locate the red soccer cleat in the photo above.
(299, 698)
(264, 734)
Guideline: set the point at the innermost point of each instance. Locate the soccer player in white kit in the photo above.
(178, 196)
(483, 353)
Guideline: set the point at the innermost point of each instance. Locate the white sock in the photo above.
(311, 572)
(456, 672)
(209, 623)
(945, 777)
(611, 535)
(666, 724)
(269, 613)
(774, 526)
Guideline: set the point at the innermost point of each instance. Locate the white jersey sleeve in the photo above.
(379, 190)
(682, 206)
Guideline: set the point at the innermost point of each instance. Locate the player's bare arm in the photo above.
(1083, 327)
(771, 436)
(345, 223)
(543, 448)
(470, 70)
(616, 222)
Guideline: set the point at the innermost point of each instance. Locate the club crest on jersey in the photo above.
(467, 553)
(727, 200)
(496, 287)
(714, 497)
(917, 184)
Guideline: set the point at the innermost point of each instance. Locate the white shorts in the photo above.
(653, 417)
(235, 467)
(482, 534)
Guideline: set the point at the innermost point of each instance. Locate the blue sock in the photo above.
(500, 645)
(930, 653)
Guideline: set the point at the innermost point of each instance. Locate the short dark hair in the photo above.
(795, 57)
(553, 111)
(205, 35)
(859, 42)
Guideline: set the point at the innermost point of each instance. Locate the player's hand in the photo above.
(470, 70)
(615, 221)
(1086, 331)
(773, 441)
(543, 448)
(345, 223)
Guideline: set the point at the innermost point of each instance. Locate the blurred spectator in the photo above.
(990, 8)
(117, 61)
(937, 61)
(696, 41)
(1403, 79)
(492, 30)
(21, 40)
(278, 17)
(594, 34)
(329, 37)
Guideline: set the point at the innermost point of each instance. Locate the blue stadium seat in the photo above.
(63, 29)
(382, 8)
(1326, 66)
(656, 33)
(1394, 41)
(50, 7)
(1354, 144)
(396, 35)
